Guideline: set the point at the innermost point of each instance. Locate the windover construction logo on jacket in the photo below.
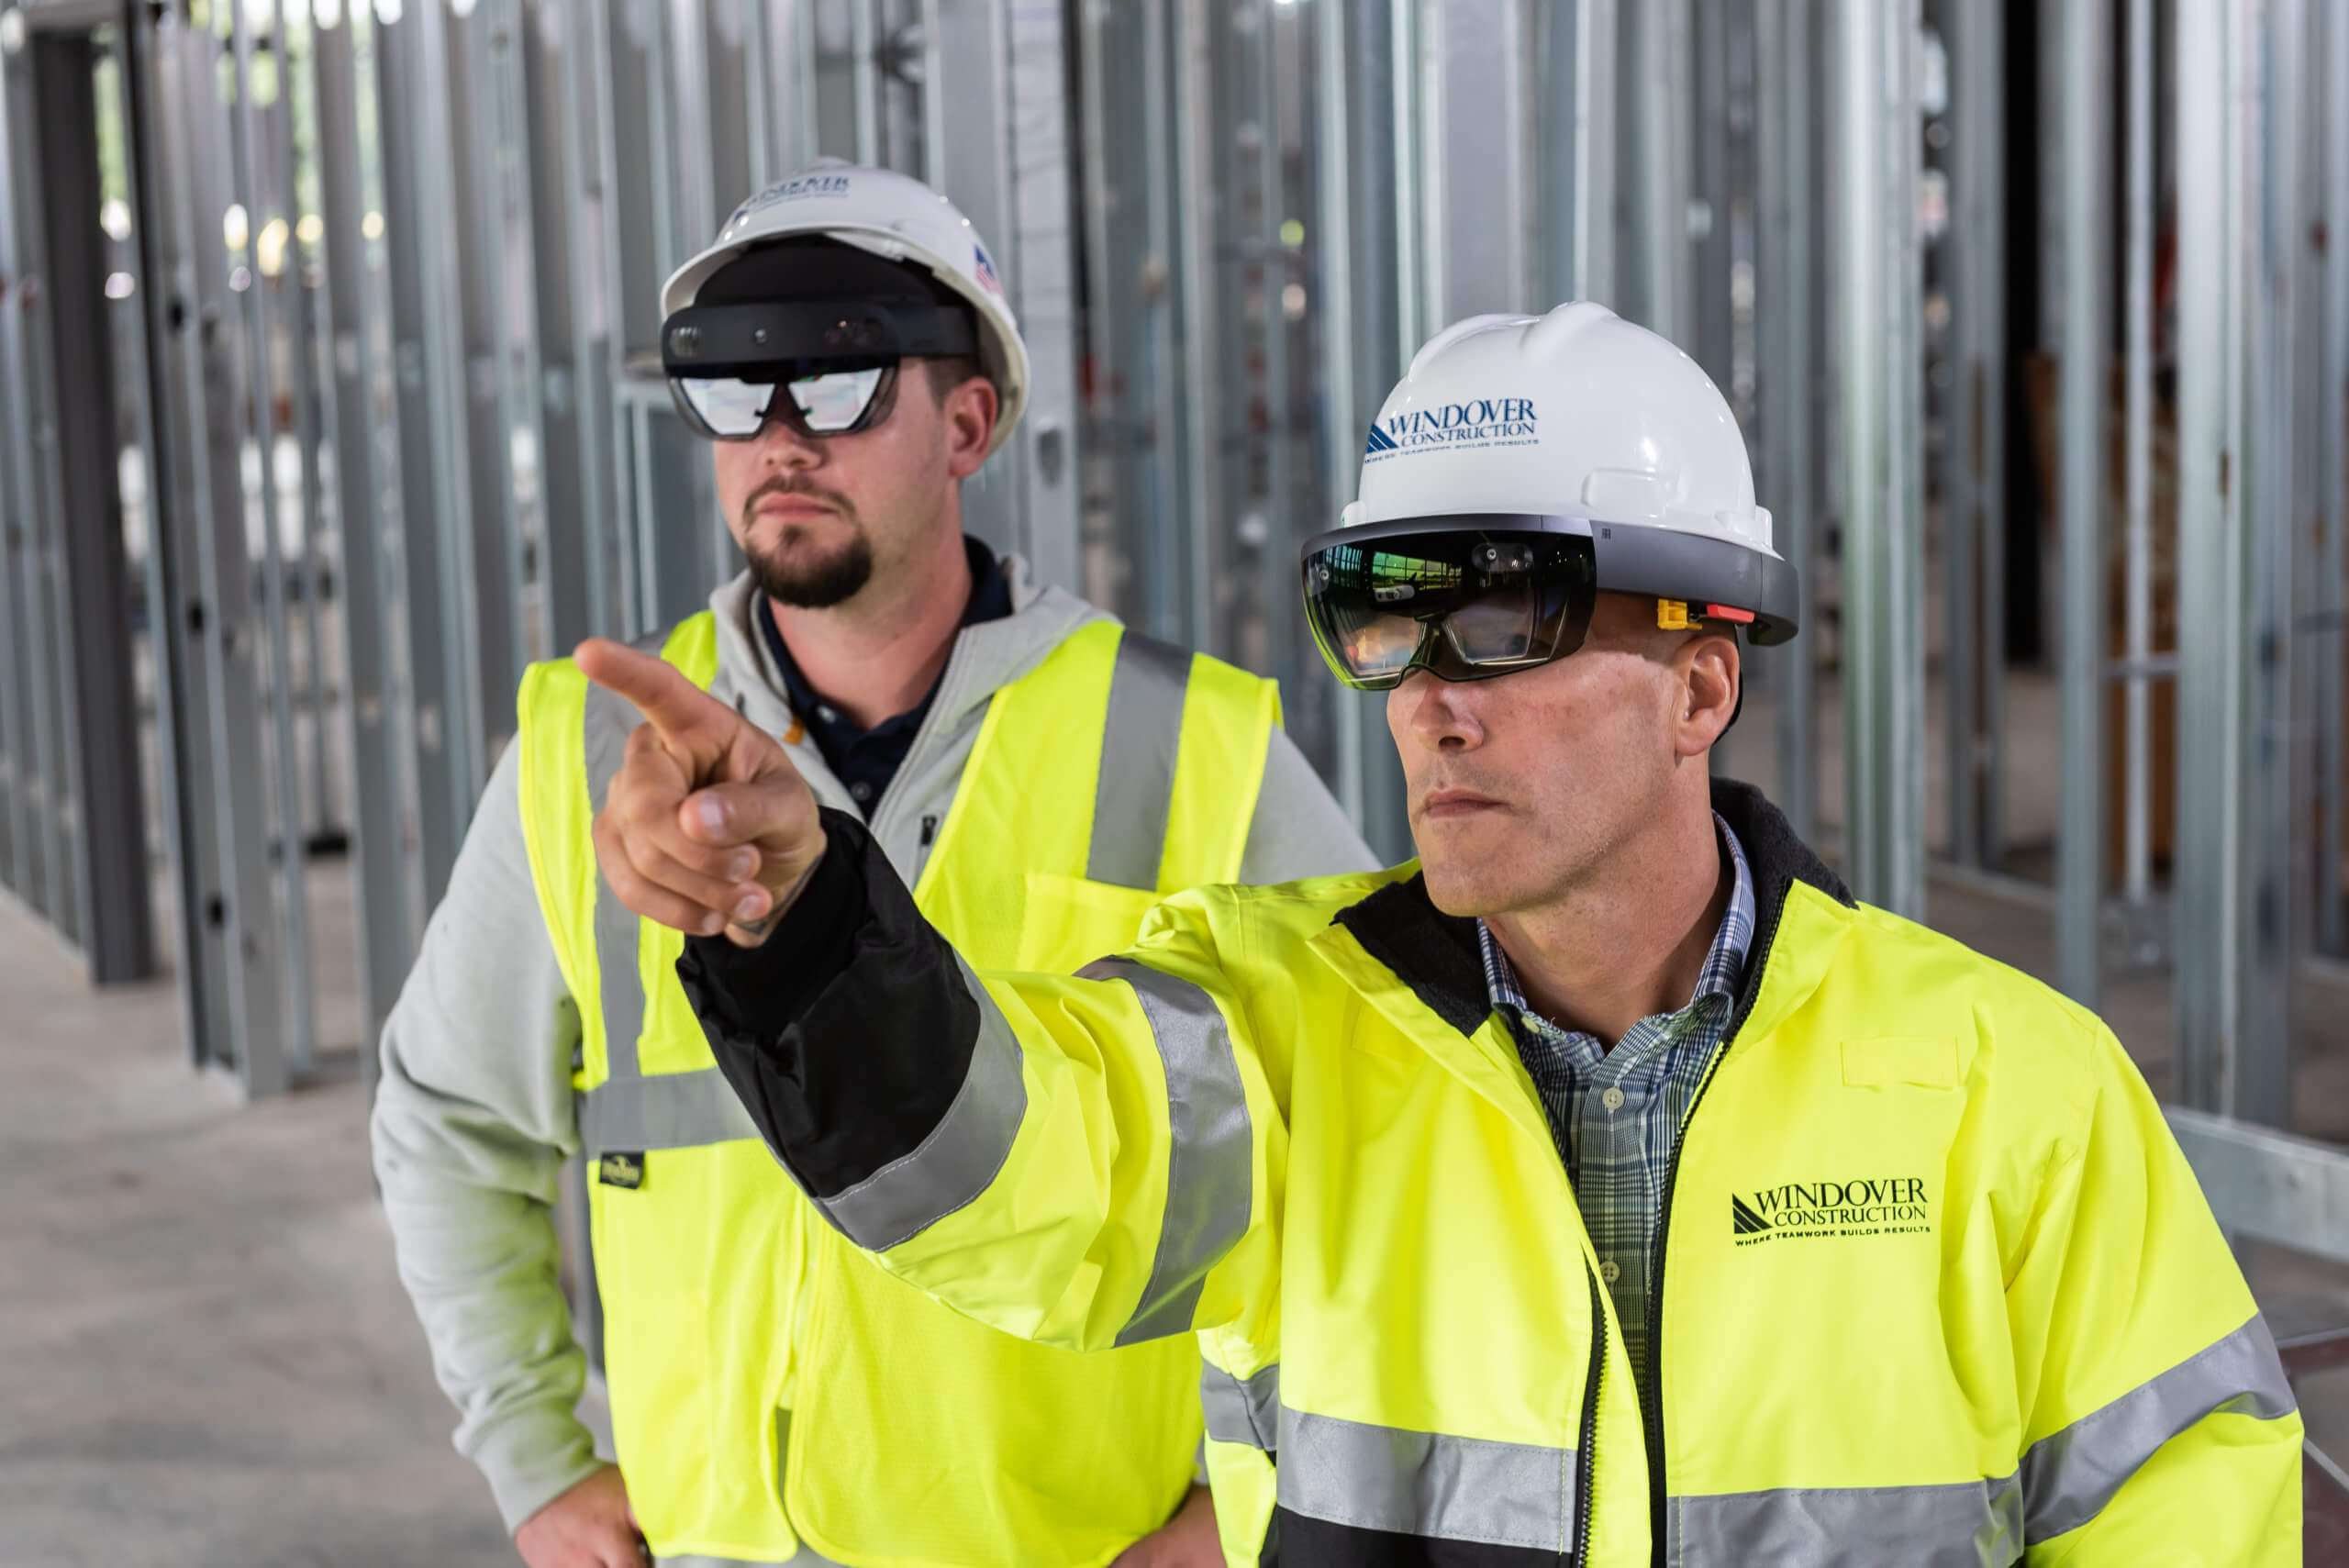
(1889, 1205)
(1455, 427)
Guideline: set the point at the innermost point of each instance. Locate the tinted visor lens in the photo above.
(1465, 606)
(819, 400)
(835, 402)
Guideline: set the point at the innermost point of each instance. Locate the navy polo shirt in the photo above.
(866, 760)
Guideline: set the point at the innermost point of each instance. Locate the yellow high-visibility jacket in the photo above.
(1934, 1284)
(1116, 769)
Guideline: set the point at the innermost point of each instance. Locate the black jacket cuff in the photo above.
(847, 1033)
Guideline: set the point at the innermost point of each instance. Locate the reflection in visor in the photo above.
(1364, 590)
(1464, 605)
(824, 403)
(1494, 627)
(725, 407)
(835, 401)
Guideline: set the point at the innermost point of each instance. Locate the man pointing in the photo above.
(1608, 1187)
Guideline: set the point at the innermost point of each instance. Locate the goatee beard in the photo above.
(819, 585)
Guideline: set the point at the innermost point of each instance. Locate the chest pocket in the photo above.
(1066, 922)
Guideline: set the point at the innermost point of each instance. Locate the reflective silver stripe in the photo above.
(667, 1111)
(1241, 1409)
(1426, 1484)
(956, 1163)
(2068, 1476)
(604, 731)
(1210, 1169)
(1971, 1524)
(1136, 790)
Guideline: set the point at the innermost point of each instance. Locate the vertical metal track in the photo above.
(500, 333)
(105, 851)
(2138, 457)
(142, 344)
(1591, 257)
(319, 818)
(2276, 228)
(381, 762)
(38, 768)
(1286, 523)
(245, 1025)
(1877, 312)
(1974, 463)
(2211, 150)
(1333, 252)
(1477, 107)
(598, 276)
(572, 564)
(34, 383)
(2086, 94)
(19, 771)
(436, 528)
(1207, 524)
(1040, 227)
(1658, 291)
(864, 44)
(2330, 646)
(260, 342)
(1412, 325)
(1787, 333)
(1707, 216)
(686, 139)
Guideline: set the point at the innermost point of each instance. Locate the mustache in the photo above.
(797, 485)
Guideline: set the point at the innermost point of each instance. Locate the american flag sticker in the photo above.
(985, 270)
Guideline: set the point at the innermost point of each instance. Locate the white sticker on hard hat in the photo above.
(1479, 422)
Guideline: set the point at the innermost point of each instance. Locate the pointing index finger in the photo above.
(673, 704)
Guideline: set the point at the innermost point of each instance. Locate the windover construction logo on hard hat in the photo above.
(1454, 427)
(832, 186)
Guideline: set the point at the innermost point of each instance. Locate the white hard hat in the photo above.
(1579, 422)
(891, 215)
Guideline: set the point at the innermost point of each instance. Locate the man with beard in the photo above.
(1038, 772)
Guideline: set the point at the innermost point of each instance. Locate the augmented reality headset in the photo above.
(838, 360)
(1472, 596)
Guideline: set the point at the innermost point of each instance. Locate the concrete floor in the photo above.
(205, 1355)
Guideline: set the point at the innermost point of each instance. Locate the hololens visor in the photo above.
(1471, 596)
(837, 361)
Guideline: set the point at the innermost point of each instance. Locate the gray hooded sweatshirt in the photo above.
(473, 1117)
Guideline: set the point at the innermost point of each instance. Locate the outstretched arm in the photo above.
(1081, 1161)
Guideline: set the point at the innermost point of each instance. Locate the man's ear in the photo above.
(1710, 674)
(971, 408)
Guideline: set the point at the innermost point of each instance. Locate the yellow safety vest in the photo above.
(1118, 769)
(1941, 1288)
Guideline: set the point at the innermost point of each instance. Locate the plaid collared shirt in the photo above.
(1616, 1115)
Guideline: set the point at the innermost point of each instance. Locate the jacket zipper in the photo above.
(1585, 1467)
(923, 736)
(1652, 1381)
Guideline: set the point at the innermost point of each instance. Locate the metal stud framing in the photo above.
(1877, 305)
(1226, 226)
(2086, 74)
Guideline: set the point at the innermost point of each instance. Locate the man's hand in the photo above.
(1186, 1540)
(707, 827)
(591, 1526)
